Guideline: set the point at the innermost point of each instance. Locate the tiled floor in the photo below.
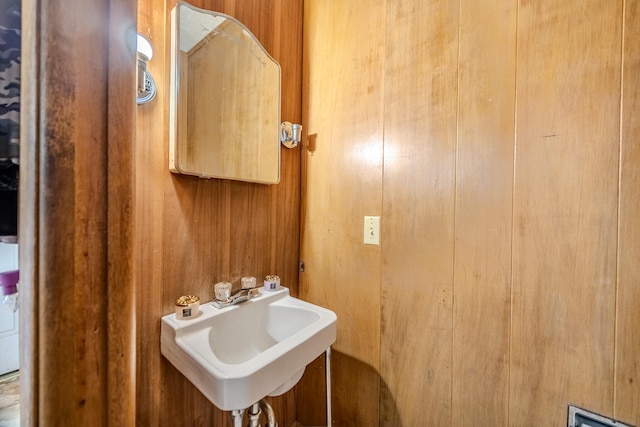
(10, 400)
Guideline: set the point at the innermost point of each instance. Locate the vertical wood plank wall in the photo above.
(484, 171)
(192, 233)
(565, 208)
(76, 193)
(627, 396)
(418, 212)
(345, 176)
(505, 172)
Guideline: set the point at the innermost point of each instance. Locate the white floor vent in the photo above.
(582, 418)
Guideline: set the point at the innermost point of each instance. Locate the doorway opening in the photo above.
(9, 348)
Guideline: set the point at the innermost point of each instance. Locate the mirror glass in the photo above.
(225, 99)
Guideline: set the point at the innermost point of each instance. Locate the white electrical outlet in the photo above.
(371, 230)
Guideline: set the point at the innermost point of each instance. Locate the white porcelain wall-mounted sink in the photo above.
(237, 355)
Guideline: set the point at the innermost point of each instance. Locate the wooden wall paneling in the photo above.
(77, 240)
(564, 212)
(121, 342)
(343, 184)
(316, 98)
(311, 408)
(286, 196)
(565, 207)
(151, 163)
(627, 391)
(72, 216)
(183, 405)
(484, 176)
(354, 154)
(196, 255)
(250, 222)
(73, 219)
(419, 177)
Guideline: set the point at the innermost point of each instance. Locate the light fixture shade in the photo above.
(144, 48)
(146, 84)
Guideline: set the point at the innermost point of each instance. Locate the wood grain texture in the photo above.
(342, 180)
(627, 393)
(121, 309)
(507, 288)
(77, 237)
(419, 189)
(565, 208)
(308, 394)
(73, 220)
(567, 245)
(195, 232)
(484, 177)
(150, 165)
(74, 215)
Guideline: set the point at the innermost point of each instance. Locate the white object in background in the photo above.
(9, 344)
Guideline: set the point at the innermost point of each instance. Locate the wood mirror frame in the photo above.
(225, 99)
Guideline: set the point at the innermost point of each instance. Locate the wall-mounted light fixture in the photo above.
(290, 134)
(146, 84)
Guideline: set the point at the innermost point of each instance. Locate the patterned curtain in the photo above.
(9, 117)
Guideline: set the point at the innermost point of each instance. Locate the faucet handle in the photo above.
(222, 291)
(248, 282)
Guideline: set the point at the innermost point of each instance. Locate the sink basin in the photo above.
(237, 355)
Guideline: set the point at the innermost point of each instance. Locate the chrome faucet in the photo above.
(235, 297)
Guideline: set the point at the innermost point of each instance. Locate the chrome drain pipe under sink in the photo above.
(254, 415)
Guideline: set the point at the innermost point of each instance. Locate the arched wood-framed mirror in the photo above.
(225, 99)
